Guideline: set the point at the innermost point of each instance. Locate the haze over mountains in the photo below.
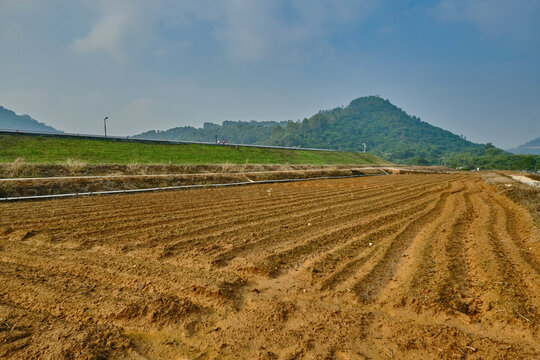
(11, 121)
(531, 147)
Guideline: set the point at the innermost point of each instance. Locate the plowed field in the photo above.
(404, 267)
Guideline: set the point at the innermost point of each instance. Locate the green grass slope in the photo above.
(38, 149)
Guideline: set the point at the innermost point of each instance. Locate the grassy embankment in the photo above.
(37, 149)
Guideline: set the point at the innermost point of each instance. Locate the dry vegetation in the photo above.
(17, 168)
(525, 195)
(20, 168)
(406, 267)
(71, 185)
(74, 166)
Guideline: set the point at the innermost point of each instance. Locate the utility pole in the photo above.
(105, 125)
(364, 144)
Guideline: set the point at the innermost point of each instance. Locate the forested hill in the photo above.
(386, 130)
(532, 147)
(238, 132)
(11, 121)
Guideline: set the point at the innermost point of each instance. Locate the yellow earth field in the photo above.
(439, 266)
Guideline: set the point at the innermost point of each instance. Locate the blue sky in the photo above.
(469, 66)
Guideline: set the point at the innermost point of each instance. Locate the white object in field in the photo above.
(526, 180)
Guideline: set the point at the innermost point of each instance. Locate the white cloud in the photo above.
(117, 19)
(516, 19)
(106, 36)
(252, 30)
(283, 29)
(243, 29)
(258, 30)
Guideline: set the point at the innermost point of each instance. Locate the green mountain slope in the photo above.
(386, 130)
(532, 147)
(11, 121)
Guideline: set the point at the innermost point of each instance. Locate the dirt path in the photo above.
(404, 267)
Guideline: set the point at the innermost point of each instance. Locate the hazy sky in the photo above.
(469, 66)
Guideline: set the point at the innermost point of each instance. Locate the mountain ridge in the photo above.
(9, 120)
(386, 129)
(529, 148)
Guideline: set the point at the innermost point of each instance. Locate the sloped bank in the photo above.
(68, 185)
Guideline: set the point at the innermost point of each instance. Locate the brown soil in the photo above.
(440, 266)
(23, 169)
(80, 184)
(523, 194)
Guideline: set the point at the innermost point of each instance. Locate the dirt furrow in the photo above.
(371, 283)
(178, 220)
(421, 266)
(522, 298)
(455, 289)
(345, 271)
(339, 224)
(372, 232)
(146, 205)
(520, 233)
(333, 236)
(436, 266)
(235, 221)
(496, 296)
(272, 201)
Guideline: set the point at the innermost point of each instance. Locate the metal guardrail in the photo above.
(179, 187)
(147, 141)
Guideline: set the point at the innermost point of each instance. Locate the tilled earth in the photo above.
(401, 266)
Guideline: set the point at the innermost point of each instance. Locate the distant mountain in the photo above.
(11, 121)
(238, 132)
(386, 130)
(532, 147)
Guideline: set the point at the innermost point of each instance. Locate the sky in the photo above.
(468, 66)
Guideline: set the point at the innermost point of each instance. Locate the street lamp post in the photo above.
(105, 125)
